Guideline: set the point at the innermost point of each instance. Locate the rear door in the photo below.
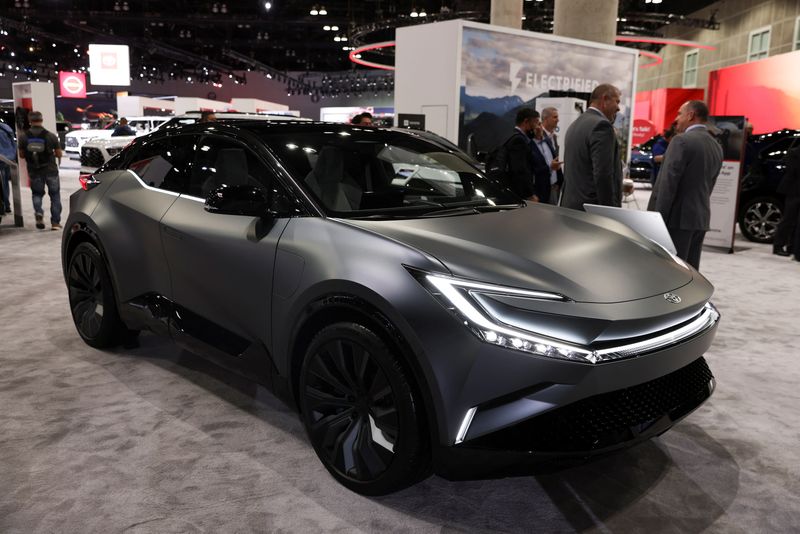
(221, 266)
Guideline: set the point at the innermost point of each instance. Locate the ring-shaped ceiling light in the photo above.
(619, 38)
(367, 48)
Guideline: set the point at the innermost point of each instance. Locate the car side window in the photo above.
(164, 163)
(220, 161)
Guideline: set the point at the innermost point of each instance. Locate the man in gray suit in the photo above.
(592, 164)
(687, 176)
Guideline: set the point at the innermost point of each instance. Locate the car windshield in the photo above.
(371, 173)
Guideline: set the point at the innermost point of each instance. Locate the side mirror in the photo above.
(238, 200)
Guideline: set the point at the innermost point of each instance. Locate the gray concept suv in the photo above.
(418, 315)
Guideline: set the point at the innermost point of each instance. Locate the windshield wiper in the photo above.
(463, 210)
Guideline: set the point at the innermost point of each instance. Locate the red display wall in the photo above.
(659, 108)
(767, 92)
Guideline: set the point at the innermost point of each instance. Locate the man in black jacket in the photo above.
(784, 243)
(522, 162)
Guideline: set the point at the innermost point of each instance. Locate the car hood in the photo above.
(585, 257)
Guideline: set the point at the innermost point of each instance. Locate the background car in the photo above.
(640, 168)
(74, 140)
(95, 152)
(419, 315)
(760, 205)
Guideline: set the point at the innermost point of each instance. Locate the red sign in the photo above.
(73, 84)
(643, 130)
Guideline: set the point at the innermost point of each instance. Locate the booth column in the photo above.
(507, 13)
(586, 19)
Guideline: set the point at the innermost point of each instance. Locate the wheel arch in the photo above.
(343, 307)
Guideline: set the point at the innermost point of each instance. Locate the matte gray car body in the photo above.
(270, 283)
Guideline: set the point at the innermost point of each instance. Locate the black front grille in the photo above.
(91, 157)
(608, 419)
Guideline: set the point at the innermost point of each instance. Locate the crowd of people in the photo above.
(591, 172)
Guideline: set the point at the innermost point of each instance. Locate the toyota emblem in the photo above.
(672, 298)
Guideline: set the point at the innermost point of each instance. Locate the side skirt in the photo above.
(248, 358)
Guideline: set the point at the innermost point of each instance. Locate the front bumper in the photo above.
(591, 427)
(565, 411)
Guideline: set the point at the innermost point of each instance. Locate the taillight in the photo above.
(88, 181)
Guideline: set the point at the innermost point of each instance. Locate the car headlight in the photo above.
(459, 296)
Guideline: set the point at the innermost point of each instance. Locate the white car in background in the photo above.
(97, 151)
(141, 125)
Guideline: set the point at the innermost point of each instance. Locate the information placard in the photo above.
(725, 196)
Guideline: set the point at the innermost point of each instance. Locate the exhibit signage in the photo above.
(73, 84)
(503, 71)
(413, 121)
(109, 64)
(725, 196)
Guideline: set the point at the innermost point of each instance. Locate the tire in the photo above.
(92, 300)
(361, 414)
(759, 218)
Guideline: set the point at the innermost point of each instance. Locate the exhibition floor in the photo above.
(155, 439)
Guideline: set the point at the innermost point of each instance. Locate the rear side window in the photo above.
(164, 163)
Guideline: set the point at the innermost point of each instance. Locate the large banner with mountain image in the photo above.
(501, 72)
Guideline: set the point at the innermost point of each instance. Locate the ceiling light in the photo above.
(335, 28)
(326, 28)
(323, 11)
(314, 11)
(267, 5)
(413, 13)
(422, 13)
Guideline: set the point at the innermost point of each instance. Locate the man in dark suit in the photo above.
(592, 163)
(519, 154)
(784, 243)
(687, 176)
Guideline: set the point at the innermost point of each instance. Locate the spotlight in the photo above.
(267, 5)
(323, 11)
(314, 11)
(414, 13)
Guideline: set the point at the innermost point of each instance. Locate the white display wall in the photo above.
(470, 78)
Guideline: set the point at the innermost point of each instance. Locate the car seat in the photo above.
(328, 180)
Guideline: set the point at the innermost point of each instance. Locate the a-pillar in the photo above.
(507, 13)
(31, 96)
(586, 19)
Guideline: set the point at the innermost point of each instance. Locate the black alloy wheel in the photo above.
(760, 218)
(360, 411)
(91, 298)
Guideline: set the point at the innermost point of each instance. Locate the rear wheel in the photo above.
(91, 298)
(759, 218)
(360, 411)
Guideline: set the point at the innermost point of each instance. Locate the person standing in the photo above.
(42, 153)
(208, 116)
(550, 124)
(592, 164)
(659, 149)
(687, 176)
(519, 155)
(122, 129)
(787, 236)
(8, 149)
(545, 163)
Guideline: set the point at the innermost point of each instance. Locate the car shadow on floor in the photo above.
(654, 486)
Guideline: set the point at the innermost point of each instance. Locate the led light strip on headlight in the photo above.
(458, 294)
(497, 334)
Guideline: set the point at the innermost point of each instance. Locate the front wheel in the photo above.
(759, 219)
(360, 411)
(91, 298)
